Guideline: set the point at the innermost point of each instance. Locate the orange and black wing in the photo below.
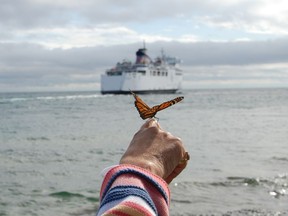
(143, 109)
(167, 104)
(146, 112)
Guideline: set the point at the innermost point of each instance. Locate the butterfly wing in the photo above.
(146, 112)
(166, 104)
(143, 109)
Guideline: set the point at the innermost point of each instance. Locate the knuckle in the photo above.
(153, 130)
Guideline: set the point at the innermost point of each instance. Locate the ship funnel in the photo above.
(142, 57)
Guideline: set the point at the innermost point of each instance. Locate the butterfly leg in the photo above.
(157, 119)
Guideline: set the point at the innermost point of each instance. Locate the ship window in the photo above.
(158, 73)
(117, 73)
(142, 72)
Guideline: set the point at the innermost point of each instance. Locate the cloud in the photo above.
(67, 44)
(252, 16)
(34, 67)
(75, 37)
(236, 76)
(68, 24)
(259, 16)
(230, 53)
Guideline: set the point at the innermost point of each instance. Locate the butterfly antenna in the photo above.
(132, 93)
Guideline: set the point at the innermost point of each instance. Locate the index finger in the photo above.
(150, 123)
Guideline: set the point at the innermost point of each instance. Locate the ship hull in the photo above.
(166, 91)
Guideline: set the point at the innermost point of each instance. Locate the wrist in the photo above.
(146, 164)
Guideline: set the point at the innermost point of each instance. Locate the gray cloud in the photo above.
(198, 53)
(48, 14)
(28, 65)
(24, 64)
(230, 53)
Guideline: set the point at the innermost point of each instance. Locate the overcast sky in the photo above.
(66, 44)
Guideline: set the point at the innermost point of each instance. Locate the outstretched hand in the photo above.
(157, 151)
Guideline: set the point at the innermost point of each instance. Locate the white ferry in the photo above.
(162, 75)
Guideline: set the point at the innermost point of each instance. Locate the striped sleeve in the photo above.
(130, 190)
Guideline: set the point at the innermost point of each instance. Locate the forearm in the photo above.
(134, 191)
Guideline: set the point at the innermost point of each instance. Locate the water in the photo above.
(54, 145)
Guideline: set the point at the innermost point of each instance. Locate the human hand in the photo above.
(157, 151)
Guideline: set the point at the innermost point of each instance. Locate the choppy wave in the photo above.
(65, 195)
(42, 138)
(5, 100)
(10, 99)
(254, 212)
(58, 143)
(239, 195)
(70, 97)
(276, 186)
(241, 212)
(280, 159)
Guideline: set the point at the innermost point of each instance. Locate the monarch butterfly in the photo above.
(149, 112)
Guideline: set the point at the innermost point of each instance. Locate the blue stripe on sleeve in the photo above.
(132, 171)
(121, 192)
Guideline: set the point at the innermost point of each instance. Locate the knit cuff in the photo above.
(157, 182)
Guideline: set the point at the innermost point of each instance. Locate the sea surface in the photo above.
(53, 147)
